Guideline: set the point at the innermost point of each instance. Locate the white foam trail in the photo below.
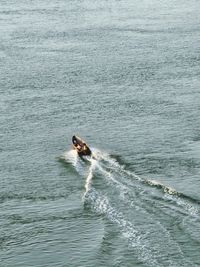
(71, 156)
(169, 192)
(101, 205)
(124, 189)
(115, 166)
(90, 175)
(111, 170)
(186, 206)
(109, 176)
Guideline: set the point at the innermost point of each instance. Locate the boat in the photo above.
(80, 146)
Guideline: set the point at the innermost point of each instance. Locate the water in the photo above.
(124, 75)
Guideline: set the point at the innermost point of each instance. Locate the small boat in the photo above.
(80, 146)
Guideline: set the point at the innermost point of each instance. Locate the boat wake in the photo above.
(138, 207)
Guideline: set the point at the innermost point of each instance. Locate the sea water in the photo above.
(124, 75)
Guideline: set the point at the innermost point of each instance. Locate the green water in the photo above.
(124, 75)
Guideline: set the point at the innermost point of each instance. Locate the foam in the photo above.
(121, 180)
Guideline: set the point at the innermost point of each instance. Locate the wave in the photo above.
(168, 192)
(126, 181)
(137, 206)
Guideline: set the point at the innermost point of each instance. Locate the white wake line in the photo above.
(125, 189)
(169, 192)
(102, 206)
(90, 175)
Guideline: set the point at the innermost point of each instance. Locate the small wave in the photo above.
(179, 198)
(90, 175)
(80, 165)
(130, 197)
(187, 202)
(102, 206)
(10, 196)
(116, 173)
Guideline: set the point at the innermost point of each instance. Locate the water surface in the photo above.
(124, 75)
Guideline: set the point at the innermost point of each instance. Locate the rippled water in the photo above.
(124, 75)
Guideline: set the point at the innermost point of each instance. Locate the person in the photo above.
(77, 146)
(84, 146)
(81, 147)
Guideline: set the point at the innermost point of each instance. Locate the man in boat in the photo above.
(80, 146)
